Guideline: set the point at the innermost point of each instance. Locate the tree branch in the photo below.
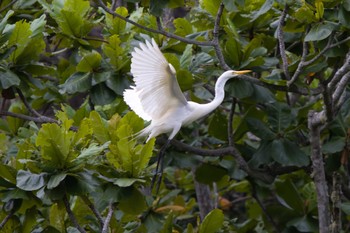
(42, 119)
(8, 5)
(93, 209)
(315, 120)
(300, 65)
(109, 217)
(215, 40)
(229, 123)
(161, 31)
(7, 218)
(71, 214)
(282, 47)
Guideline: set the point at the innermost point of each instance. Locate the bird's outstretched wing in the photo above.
(156, 89)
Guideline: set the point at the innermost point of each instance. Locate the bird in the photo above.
(156, 95)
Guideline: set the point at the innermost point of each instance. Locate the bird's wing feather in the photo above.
(155, 83)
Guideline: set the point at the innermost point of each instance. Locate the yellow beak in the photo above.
(238, 72)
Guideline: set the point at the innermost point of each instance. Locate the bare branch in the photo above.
(8, 5)
(162, 31)
(42, 119)
(315, 120)
(71, 214)
(341, 86)
(25, 102)
(230, 119)
(93, 209)
(215, 40)
(325, 49)
(282, 47)
(111, 208)
(300, 65)
(7, 218)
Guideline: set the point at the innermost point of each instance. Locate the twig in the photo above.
(7, 218)
(8, 5)
(162, 32)
(231, 150)
(93, 209)
(262, 206)
(300, 65)
(315, 121)
(26, 104)
(282, 46)
(230, 119)
(325, 49)
(71, 214)
(203, 197)
(42, 119)
(109, 217)
(339, 91)
(215, 40)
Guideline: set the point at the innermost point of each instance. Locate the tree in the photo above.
(272, 158)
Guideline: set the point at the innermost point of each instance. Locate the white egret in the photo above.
(157, 96)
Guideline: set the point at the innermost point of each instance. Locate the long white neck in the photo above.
(219, 93)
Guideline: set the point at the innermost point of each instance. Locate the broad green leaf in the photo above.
(32, 51)
(216, 173)
(157, 6)
(57, 216)
(102, 95)
(280, 116)
(319, 31)
(304, 224)
(116, 25)
(183, 27)
(212, 222)
(288, 153)
(113, 51)
(88, 154)
(336, 144)
(126, 182)
(135, 122)
(185, 80)
(305, 14)
(37, 26)
(29, 181)
(72, 24)
(262, 10)
(146, 154)
(319, 10)
(15, 123)
(131, 201)
(54, 143)
(345, 207)
(240, 88)
(288, 195)
(55, 180)
(218, 126)
(233, 51)
(20, 37)
(210, 6)
(77, 82)
(8, 173)
(4, 19)
(8, 78)
(186, 57)
(99, 127)
(81, 7)
(89, 62)
(259, 129)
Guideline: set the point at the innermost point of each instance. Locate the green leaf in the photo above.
(304, 224)
(212, 222)
(262, 10)
(8, 173)
(233, 51)
(184, 77)
(335, 145)
(8, 78)
(183, 27)
(280, 116)
(116, 25)
(102, 95)
(126, 182)
(87, 154)
(4, 19)
(288, 195)
(240, 88)
(345, 207)
(80, 7)
(55, 144)
(259, 129)
(156, 6)
(319, 31)
(288, 153)
(55, 180)
(20, 37)
(73, 24)
(29, 181)
(186, 57)
(114, 52)
(89, 62)
(131, 201)
(218, 126)
(38, 25)
(216, 173)
(210, 6)
(99, 127)
(77, 82)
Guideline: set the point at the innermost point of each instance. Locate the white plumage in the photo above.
(157, 96)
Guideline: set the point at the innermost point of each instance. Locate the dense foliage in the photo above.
(272, 158)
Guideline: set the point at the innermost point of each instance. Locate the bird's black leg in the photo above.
(159, 167)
